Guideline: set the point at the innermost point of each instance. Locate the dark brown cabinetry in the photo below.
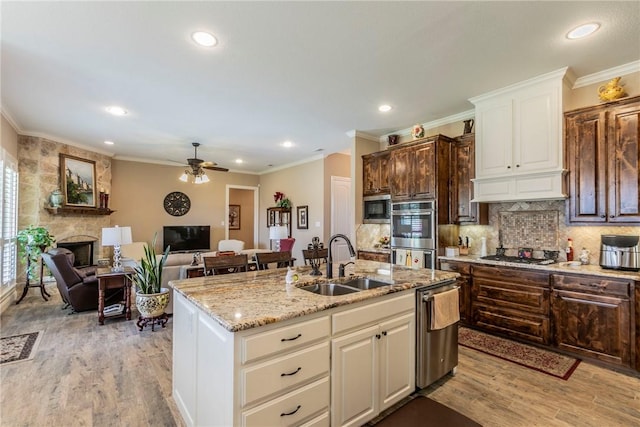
(511, 304)
(374, 256)
(462, 210)
(464, 283)
(591, 317)
(421, 170)
(603, 155)
(375, 173)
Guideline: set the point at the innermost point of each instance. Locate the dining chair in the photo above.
(283, 259)
(225, 264)
(309, 254)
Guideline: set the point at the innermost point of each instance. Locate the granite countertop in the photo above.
(247, 300)
(560, 267)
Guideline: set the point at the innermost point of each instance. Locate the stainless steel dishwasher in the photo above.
(436, 350)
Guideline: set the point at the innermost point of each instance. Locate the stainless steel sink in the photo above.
(364, 283)
(329, 289)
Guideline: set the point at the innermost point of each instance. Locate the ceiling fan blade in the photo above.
(216, 168)
(208, 164)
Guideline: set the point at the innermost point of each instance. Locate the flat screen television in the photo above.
(187, 238)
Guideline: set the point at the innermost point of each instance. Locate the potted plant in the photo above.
(151, 297)
(32, 241)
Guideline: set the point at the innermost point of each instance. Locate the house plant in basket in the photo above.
(151, 298)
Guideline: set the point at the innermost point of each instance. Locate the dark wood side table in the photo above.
(108, 279)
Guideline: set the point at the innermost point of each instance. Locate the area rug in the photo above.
(548, 362)
(423, 412)
(18, 348)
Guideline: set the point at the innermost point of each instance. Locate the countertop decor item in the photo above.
(468, 126)
(56, 198)
(611, 91)
(417, 132)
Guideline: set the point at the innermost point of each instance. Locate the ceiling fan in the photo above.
(197, 165)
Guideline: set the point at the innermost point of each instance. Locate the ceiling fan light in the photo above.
(204, 178)
(184, 177)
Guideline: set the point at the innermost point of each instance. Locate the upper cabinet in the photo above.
(603, 154)
(421, 170)
(375, 173)
(519, 141)
(462, 209)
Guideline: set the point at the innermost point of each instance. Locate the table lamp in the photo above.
(116, 236)
(276, 233)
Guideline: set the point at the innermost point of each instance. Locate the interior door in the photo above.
(341, 216)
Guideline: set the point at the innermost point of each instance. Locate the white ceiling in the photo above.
(308, 72)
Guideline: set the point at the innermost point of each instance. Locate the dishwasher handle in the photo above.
(428, 297)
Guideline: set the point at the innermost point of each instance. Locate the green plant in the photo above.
(32, 241)
(148, 275)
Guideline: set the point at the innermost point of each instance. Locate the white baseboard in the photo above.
(7, 298)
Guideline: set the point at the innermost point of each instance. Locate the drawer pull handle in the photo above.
(291, 373)
(284, 414)
(595, 285)
(291, 339)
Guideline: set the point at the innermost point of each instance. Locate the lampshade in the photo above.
(196, 176)
(116, 236)
(278, 232)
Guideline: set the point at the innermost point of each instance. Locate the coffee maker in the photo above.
(619, 252)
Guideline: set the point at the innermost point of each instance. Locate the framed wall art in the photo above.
(303, 217)
(234, 217)
(78, 181)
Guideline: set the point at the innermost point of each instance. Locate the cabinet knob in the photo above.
(517, 166)
(384, 333)
(508, 167)
(378, 336)
(611, 216)
(603, 216)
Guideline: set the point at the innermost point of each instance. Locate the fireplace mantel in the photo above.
(70, 210)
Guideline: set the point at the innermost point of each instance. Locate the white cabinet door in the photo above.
(537, 136)
(494, 126)
(185, 320)
(397, 360)
(354, 373)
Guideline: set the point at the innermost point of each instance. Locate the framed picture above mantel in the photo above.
(78, 181)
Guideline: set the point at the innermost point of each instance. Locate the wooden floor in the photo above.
(113, 375)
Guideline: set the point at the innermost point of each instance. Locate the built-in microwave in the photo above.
(376, 209)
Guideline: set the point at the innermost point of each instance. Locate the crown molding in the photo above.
(11, 121)
(621, 70)
(469, 114)
(289, 165)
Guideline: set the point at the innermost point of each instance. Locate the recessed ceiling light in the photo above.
(109, 142)
(384, 108)
(287, 144)
(204, 39)
(116, 111)
(239, 161)
(583, 31)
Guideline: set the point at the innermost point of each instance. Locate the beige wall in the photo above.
(139, 189)
(8, 137)
(243, 198)
(303, 185)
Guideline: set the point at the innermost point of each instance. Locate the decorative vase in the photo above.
(417, 132)
(468, 126)
(55, 198)
(152, 305)
(611, 91)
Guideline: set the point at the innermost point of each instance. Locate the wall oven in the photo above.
(376, 209)
(413, 233)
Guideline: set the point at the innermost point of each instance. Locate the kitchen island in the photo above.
(248, 350)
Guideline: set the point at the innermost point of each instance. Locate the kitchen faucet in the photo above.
(352, 252)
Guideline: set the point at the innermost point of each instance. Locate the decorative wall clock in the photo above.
(177, 203)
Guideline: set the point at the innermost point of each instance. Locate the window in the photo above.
(8, 218)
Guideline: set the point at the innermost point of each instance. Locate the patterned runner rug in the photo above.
(550, 363)
(18, 348)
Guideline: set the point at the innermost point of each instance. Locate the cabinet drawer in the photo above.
(291, 409)
(283, 339)
(283, 373)
(375, 312)
(531, 327)
(593, 285)
(510, 274)
(515, 296)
